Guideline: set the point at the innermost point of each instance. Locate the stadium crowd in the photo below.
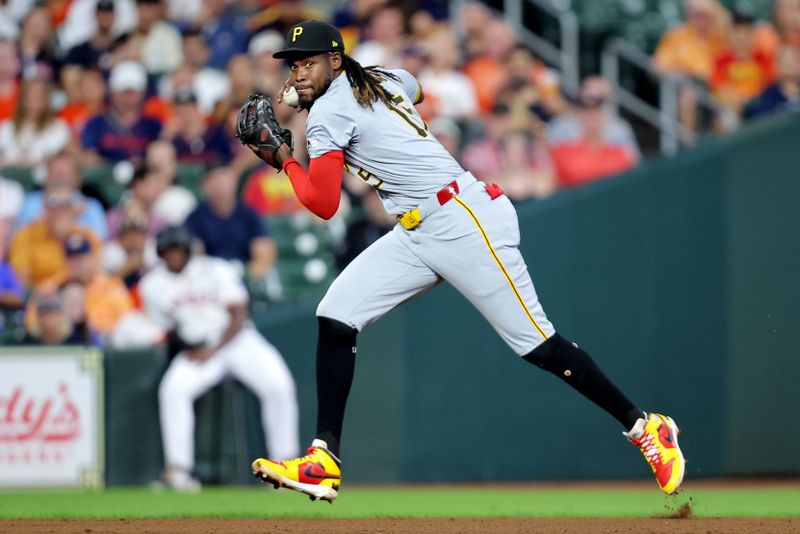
(117, 119)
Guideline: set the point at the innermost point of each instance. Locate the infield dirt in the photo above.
(398, 526)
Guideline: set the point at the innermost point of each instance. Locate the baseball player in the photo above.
(202, 303)
(450, 227)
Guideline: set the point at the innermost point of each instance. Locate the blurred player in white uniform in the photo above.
(202, 303)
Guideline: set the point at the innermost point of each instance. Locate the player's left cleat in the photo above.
(657, 438)
(317, 474)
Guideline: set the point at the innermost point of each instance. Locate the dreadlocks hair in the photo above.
(366, 82)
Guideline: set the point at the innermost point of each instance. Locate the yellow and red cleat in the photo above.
(657, 438)
(317, 474)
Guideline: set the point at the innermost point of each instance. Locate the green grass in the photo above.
(416, 501)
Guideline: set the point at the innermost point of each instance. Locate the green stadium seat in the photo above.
(101, 179)
(21, 175)
(190, 176)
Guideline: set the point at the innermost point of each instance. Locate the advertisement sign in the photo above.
(51, 417)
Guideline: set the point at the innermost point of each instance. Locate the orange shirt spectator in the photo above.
(488, 77)
(580, 162)
(9, 88)
(690, 48)
(741, 72)
(488, 72)
(742, 78)
(37, 250)
(107, 298)
(36, 254)
(592, 156)
(786, 28)
(8, 102)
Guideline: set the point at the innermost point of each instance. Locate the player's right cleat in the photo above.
(657, 438)
(317, 474)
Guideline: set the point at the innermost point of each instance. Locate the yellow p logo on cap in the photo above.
(296, 32)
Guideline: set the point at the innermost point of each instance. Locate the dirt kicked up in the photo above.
(399, 526)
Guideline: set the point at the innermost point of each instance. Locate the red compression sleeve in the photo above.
(321, 188)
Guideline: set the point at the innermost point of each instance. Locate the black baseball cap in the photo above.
(311, 37)
(105, 5)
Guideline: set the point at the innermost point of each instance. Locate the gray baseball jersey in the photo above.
(389, 148)
(470, 241)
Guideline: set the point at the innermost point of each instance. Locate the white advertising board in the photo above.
(51, 417)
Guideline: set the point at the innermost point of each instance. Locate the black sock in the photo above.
(574, 366)
(336, 361)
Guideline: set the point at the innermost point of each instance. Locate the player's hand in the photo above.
(259, 130)
(200, 354)
(289, 97)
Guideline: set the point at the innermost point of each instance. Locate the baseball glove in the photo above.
(257, 127)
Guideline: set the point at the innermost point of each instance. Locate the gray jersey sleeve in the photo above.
(329, 129)
(409, 84)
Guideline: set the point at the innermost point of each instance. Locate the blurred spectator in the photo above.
(95, 54)
(161, 48)
(209, 85)
(122, 133)
(107, 298)
(423, 23)
(526, 170)
(414, 59)
(175, 202)
(73, 296)
(482, 156)
(184, 12)
(472, 17)
(448, 134)
(81, 23)
(352, 16)
(35, 132)
(11, 198)
(194, 139)
(131, 254)
(385, 38)
(785, 28)
(9, 68)
(268, 72)
(281, 16)
(85, 102)
(62, 170)
(268, 192)
(12, 292)
(37, 250)
(37, 43)
(616, 131)
(592, 156)
(50, 325)
(223, 23)
(228, 229)
(488, 71)
(741, 72)
(532, 87)
(241, 76)
(690, 48)
(784, 94)
(449, 93)
(11, 13)
(143, 191)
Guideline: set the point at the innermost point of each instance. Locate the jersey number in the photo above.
(365, 175)
(407, 114)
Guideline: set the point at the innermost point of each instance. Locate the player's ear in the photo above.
(336, 60)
